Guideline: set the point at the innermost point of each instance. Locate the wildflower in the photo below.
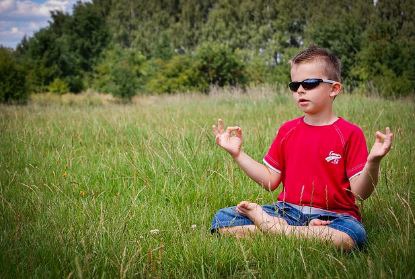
(65, 174)
(155, 231)
(193, 227)
(82, 193)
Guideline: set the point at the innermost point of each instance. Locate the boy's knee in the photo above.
(344, 241)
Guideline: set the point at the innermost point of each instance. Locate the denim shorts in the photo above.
(295, 216)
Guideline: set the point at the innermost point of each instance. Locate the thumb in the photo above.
(239, 132)
(217, 138)
(379, 137)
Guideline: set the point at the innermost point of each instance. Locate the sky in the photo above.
(24, 17)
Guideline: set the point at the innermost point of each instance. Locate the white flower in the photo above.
(155, 231)
(193, 226)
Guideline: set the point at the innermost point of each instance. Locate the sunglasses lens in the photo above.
(294, 85)
(309, 84)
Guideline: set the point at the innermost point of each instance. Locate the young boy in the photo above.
(321, 160)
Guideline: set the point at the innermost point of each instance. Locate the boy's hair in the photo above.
(314, 53)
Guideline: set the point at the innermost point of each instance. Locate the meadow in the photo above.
(104, 190)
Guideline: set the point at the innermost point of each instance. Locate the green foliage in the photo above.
(212, 64)
(174, 75)
(216, 64)
(268, 65)
(387, 57)
(119, 72)
(66, 49)
(58, 86)
(339, 28)
(12, 79)
(373, 40)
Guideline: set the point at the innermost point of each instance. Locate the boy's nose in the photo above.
(301, 90)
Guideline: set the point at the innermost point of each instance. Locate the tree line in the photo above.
(128, 47)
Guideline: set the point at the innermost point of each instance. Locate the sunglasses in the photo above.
(308, 84)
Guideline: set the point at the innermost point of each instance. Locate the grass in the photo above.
(112, 190)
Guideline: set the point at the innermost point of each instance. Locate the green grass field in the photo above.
(84, 187)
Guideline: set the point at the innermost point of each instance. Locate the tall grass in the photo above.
(130, 190)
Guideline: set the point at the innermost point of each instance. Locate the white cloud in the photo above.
(7, 5)
(24, 17)
(14, 30)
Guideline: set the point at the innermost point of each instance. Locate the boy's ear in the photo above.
(335, 89)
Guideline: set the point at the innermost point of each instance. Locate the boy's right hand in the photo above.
(229, 139)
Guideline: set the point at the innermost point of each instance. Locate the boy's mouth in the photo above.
(302, 100)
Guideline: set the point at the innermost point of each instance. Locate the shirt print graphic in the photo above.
(333, 158)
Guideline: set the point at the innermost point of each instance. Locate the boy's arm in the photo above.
(261, 174)
(363, 185)
(231, 140)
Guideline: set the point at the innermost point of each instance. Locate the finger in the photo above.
(380, 137)
(239, 132)
(387, 144)
(314, 222)
(220, 126)
(231, 130)
(215, 130)
(240, 208)
(241, 211)
(243, 204)
(217, 139)
(318, 222)
(389, 135)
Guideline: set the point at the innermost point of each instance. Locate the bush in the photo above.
(12, 79)
(211, 65)
(216, 64)
(174, 75)
(267, 65)
(119, 72)
(391, 85)
(58, 86)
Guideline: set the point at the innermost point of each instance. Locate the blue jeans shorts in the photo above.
(295, 216)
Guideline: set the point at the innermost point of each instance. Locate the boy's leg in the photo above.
(273, 224)
(228, 221)
(239, 231)
(248, 230)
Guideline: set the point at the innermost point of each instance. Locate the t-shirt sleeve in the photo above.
(356, 153)
(274, 158)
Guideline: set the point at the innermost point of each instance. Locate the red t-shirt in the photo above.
(317, 162)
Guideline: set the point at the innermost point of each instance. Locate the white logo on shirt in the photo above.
(333, 158)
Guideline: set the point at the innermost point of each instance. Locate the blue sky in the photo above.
(24, 17)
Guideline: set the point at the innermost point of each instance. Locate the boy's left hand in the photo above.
(381, 146)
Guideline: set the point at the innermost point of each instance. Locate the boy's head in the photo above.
(315, 80)
(329, 62)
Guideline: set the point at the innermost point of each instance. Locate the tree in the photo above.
(216, 64)
(118, 72)
(12, 79)
(387, 57)
(66, 49)
(338, 26)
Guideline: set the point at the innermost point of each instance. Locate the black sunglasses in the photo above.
(308, 84)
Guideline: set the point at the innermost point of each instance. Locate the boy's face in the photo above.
(316, 100)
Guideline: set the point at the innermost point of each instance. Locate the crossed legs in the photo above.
(317, 229)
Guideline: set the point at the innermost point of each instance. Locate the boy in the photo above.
(321, 160)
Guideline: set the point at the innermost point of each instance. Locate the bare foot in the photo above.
(251, 210)
(261, 219)
(318, 222)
